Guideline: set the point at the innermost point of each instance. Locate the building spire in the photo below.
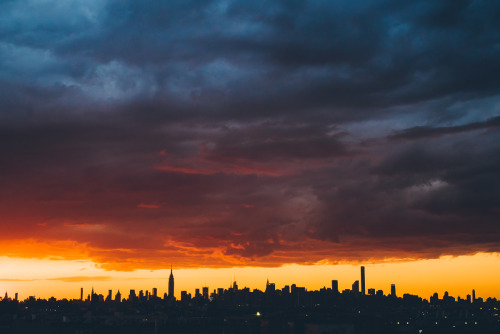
(171, 284)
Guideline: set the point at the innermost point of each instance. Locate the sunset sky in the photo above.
(290, 140)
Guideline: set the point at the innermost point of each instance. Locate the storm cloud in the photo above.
(222, 133)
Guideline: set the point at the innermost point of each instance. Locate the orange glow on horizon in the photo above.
(63, 278)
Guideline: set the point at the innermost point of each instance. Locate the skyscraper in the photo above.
(94, 297)
(171, 284)
(363, 280)
(270, 287)
(132, 296)
(355, 287)
(393, 290)
(335, 286)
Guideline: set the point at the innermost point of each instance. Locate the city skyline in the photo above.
(291, 309)
(162, 287)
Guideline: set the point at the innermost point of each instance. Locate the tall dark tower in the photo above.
(393, 290)
(362, 280)
(171, 284)
(335, 286)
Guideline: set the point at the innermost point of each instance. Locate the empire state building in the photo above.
(171, 284)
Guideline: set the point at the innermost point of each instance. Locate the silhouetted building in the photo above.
(118, 296)
(171, 284)
(132, 296)
(446, 297)
(362, 280)
(109, 296)
(335, 286)
(393, 290)
(355, 287)
(473, 295)
(81, 294)
(185, 297)
(155, 293)
(270, 287)
(205, 292)
(371, 292)
(434, 298)
(94, 297)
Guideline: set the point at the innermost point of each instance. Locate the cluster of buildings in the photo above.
(291, 309)
(358, 288)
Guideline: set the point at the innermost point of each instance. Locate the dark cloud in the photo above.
(229, 132)
(428, 132)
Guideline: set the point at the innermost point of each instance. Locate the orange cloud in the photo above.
(40, 249)
(210, 253)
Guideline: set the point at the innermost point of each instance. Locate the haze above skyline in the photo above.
(221, 134)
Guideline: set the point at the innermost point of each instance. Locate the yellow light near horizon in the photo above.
(63, 279)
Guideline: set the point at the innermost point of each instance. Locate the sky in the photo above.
(224, 135)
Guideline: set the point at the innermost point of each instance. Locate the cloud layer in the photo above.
(221, 133)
